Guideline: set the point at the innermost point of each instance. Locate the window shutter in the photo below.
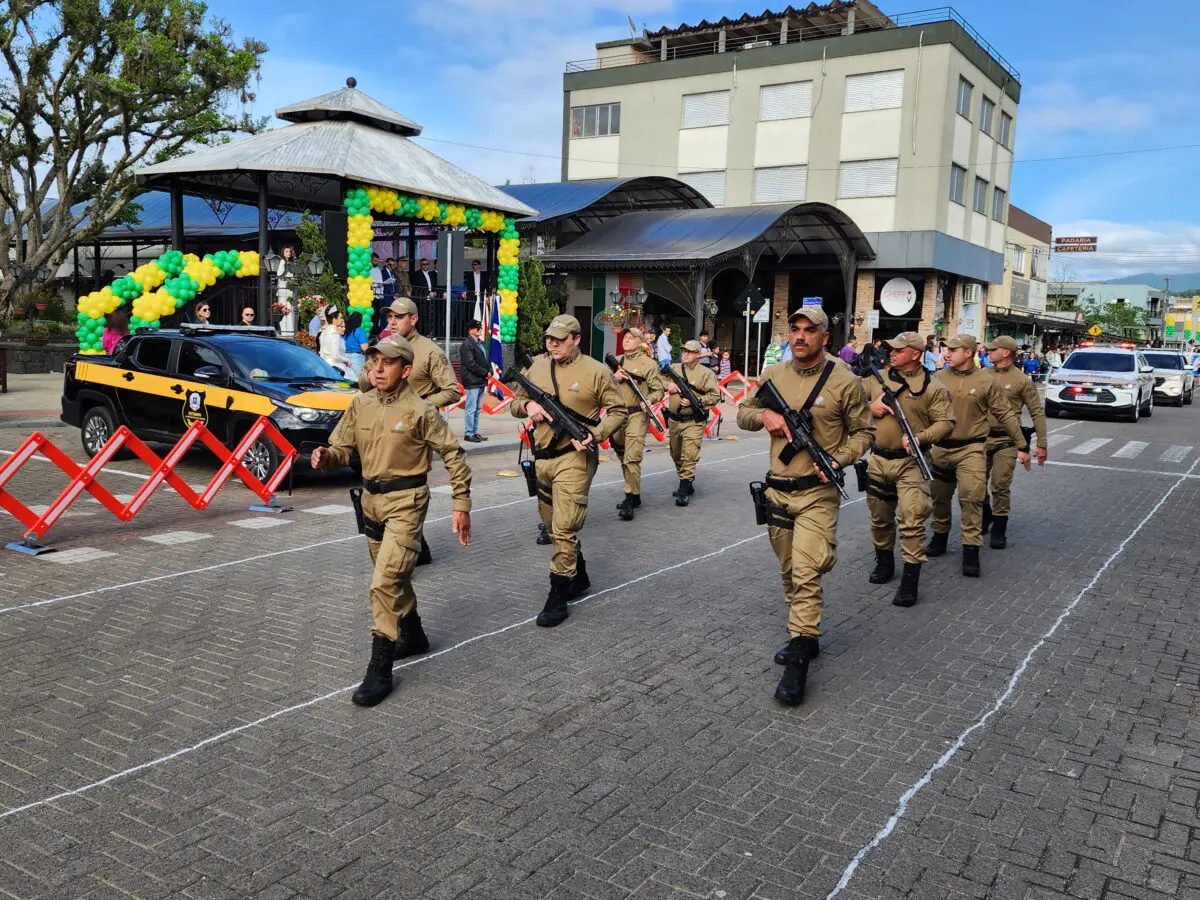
(868, 178)
(702, 110)
(785, 101)
(958, 183)
(777, 184)
(877, 90)
(710, 184)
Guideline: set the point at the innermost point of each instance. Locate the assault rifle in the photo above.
(893, 403)
(799, 425)
(562, 420)
(614, 364)
(698, 412)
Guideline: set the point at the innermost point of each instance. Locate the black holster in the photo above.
(356, 502)
(860, 474)
(530, 476)
(1028, 431)
(758, 494)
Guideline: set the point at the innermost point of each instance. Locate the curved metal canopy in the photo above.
(588, 203)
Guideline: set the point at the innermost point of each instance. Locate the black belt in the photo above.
(955, 443)
(396, 484)
(997, 432)
(792, 485)
(884, 453)
(634, 409)
(689, 417)
(553, 454)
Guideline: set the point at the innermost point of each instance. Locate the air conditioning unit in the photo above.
(754, 45)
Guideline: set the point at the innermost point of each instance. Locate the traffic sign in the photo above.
(1095, 331)
(755, 298)
(763, 316)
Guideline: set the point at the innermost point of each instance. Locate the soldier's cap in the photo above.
(403, 307)
(562, 327)
(693, 347)
(1004, 342)
(393, 347)
(961, 342)
(814, 314)
(636, 332)
(909, 339)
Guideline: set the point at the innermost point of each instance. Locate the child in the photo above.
(726, 366)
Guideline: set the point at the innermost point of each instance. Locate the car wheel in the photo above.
(1149, 410)
(1051, 412)
(96, 428)
(1136, 413)
(1187, 398)
(262, 459)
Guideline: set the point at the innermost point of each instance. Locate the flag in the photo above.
(491, 309)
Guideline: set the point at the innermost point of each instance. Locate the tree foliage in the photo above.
(1117, 318)
(91, 90)
(535, 308)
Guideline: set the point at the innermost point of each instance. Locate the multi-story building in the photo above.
(906, 124)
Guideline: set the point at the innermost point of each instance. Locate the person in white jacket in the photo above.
(332, 346)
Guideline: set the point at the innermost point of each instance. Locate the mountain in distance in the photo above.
(1187, 281)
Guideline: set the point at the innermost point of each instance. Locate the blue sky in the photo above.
(1098, 78)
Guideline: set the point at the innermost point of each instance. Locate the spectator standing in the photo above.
(774, 353)
(333, 347)
(116, 327)
(663, 347)
(426, 281)
(389, 281)
(725, 367)
(317, 322)
(377, 281)
(708, 358)
(202, 313)
(1054, 359)
(403, 284)
(355, 340)
(929, 359)
(849, 352)
(473, 373)
(247, 317)
(284, 298)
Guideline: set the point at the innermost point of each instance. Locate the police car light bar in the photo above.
(196, 328)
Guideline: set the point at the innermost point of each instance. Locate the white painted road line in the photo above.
(1090, 446)
(176, 537)
(1131, 450)
(1176, 453)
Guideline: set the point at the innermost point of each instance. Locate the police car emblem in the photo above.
(194, 408)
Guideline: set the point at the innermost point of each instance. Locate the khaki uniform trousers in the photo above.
(805, 551)
(562, 489)
(1002, 464)
(896, 483)
(402, 515)
(685, 439)
(964, 468)
(629, 442)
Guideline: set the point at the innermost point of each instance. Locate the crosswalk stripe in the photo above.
(1176, 453)
(1056, 439)
(1090, 446)
(1131, 450)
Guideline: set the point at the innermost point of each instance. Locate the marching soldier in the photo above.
(395, 433)
(565, 467)
(629, 441)
(961, 459)
(432, 377)
(1001, 452)
(802, 506)
(893, 477)
(687, 424)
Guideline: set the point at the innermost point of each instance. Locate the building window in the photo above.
(875, 90)
(777, 184)
(710, 184)
(1038, 264)
(987, 111)
(958, 184)
(785, 101)
(868, 178)
(999, 204)
(703, 110)
(964, 97)
(1018, 259)
(595, 121)
(980, 204)
(1005, 130)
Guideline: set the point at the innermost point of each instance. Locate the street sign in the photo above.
(811, 301)
(1078, 244)
(763, 316)
(1095, 331)
(754, 296)
(873, 319)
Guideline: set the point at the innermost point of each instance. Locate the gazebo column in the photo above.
(176, 216)
(264, 248)
(701, 283)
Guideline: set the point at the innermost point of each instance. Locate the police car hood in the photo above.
(310, 393)
(1097, 377)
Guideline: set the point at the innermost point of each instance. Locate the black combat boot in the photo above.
(682, 490)
(555, 611)
(970, 561)
(579, 581)
(683, 495)
(378, 682)
(625, 509)
(937, 544)
(987, 516)
(634, 501)
(543, 537)
(910, 580)
(781, 655)
(885, 567)
(790, 691)
(999, 532)
(413, 641)
(424, 558)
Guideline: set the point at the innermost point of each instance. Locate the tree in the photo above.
(307, 289)
(535, 310)
(1117, 318)
(89, 91)
(1056, 298)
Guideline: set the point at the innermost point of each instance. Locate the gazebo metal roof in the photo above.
(588, 203)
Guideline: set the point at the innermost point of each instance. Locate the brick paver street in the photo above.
(177, 718)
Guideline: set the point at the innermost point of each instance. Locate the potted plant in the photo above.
(38, 336)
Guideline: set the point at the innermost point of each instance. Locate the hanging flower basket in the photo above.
(40, 306)
(19, 311)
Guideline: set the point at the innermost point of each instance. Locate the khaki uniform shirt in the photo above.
(403, 284)
(1020, 391)
(584, 386)
(842, 423)
(927, 406)
(395, 435)
(432, 378)
(645, 372)
(975, 396)
(703, 382)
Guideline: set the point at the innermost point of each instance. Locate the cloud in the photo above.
(1060, 108)
(1129, 248)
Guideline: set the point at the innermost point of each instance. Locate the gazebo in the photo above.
(351, 159)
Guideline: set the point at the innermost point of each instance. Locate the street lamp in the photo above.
(316, 266)
(271, 261)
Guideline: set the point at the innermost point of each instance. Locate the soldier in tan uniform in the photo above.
(565, 467)
(432, 377)
(961, 459)
(686, 432)
(629, 441)
(893, 478)
(1001, 452)
(802, 506)
(395, 433)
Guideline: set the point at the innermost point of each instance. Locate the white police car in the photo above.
(1104, 379)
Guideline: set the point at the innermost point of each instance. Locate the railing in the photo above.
(797, 33)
